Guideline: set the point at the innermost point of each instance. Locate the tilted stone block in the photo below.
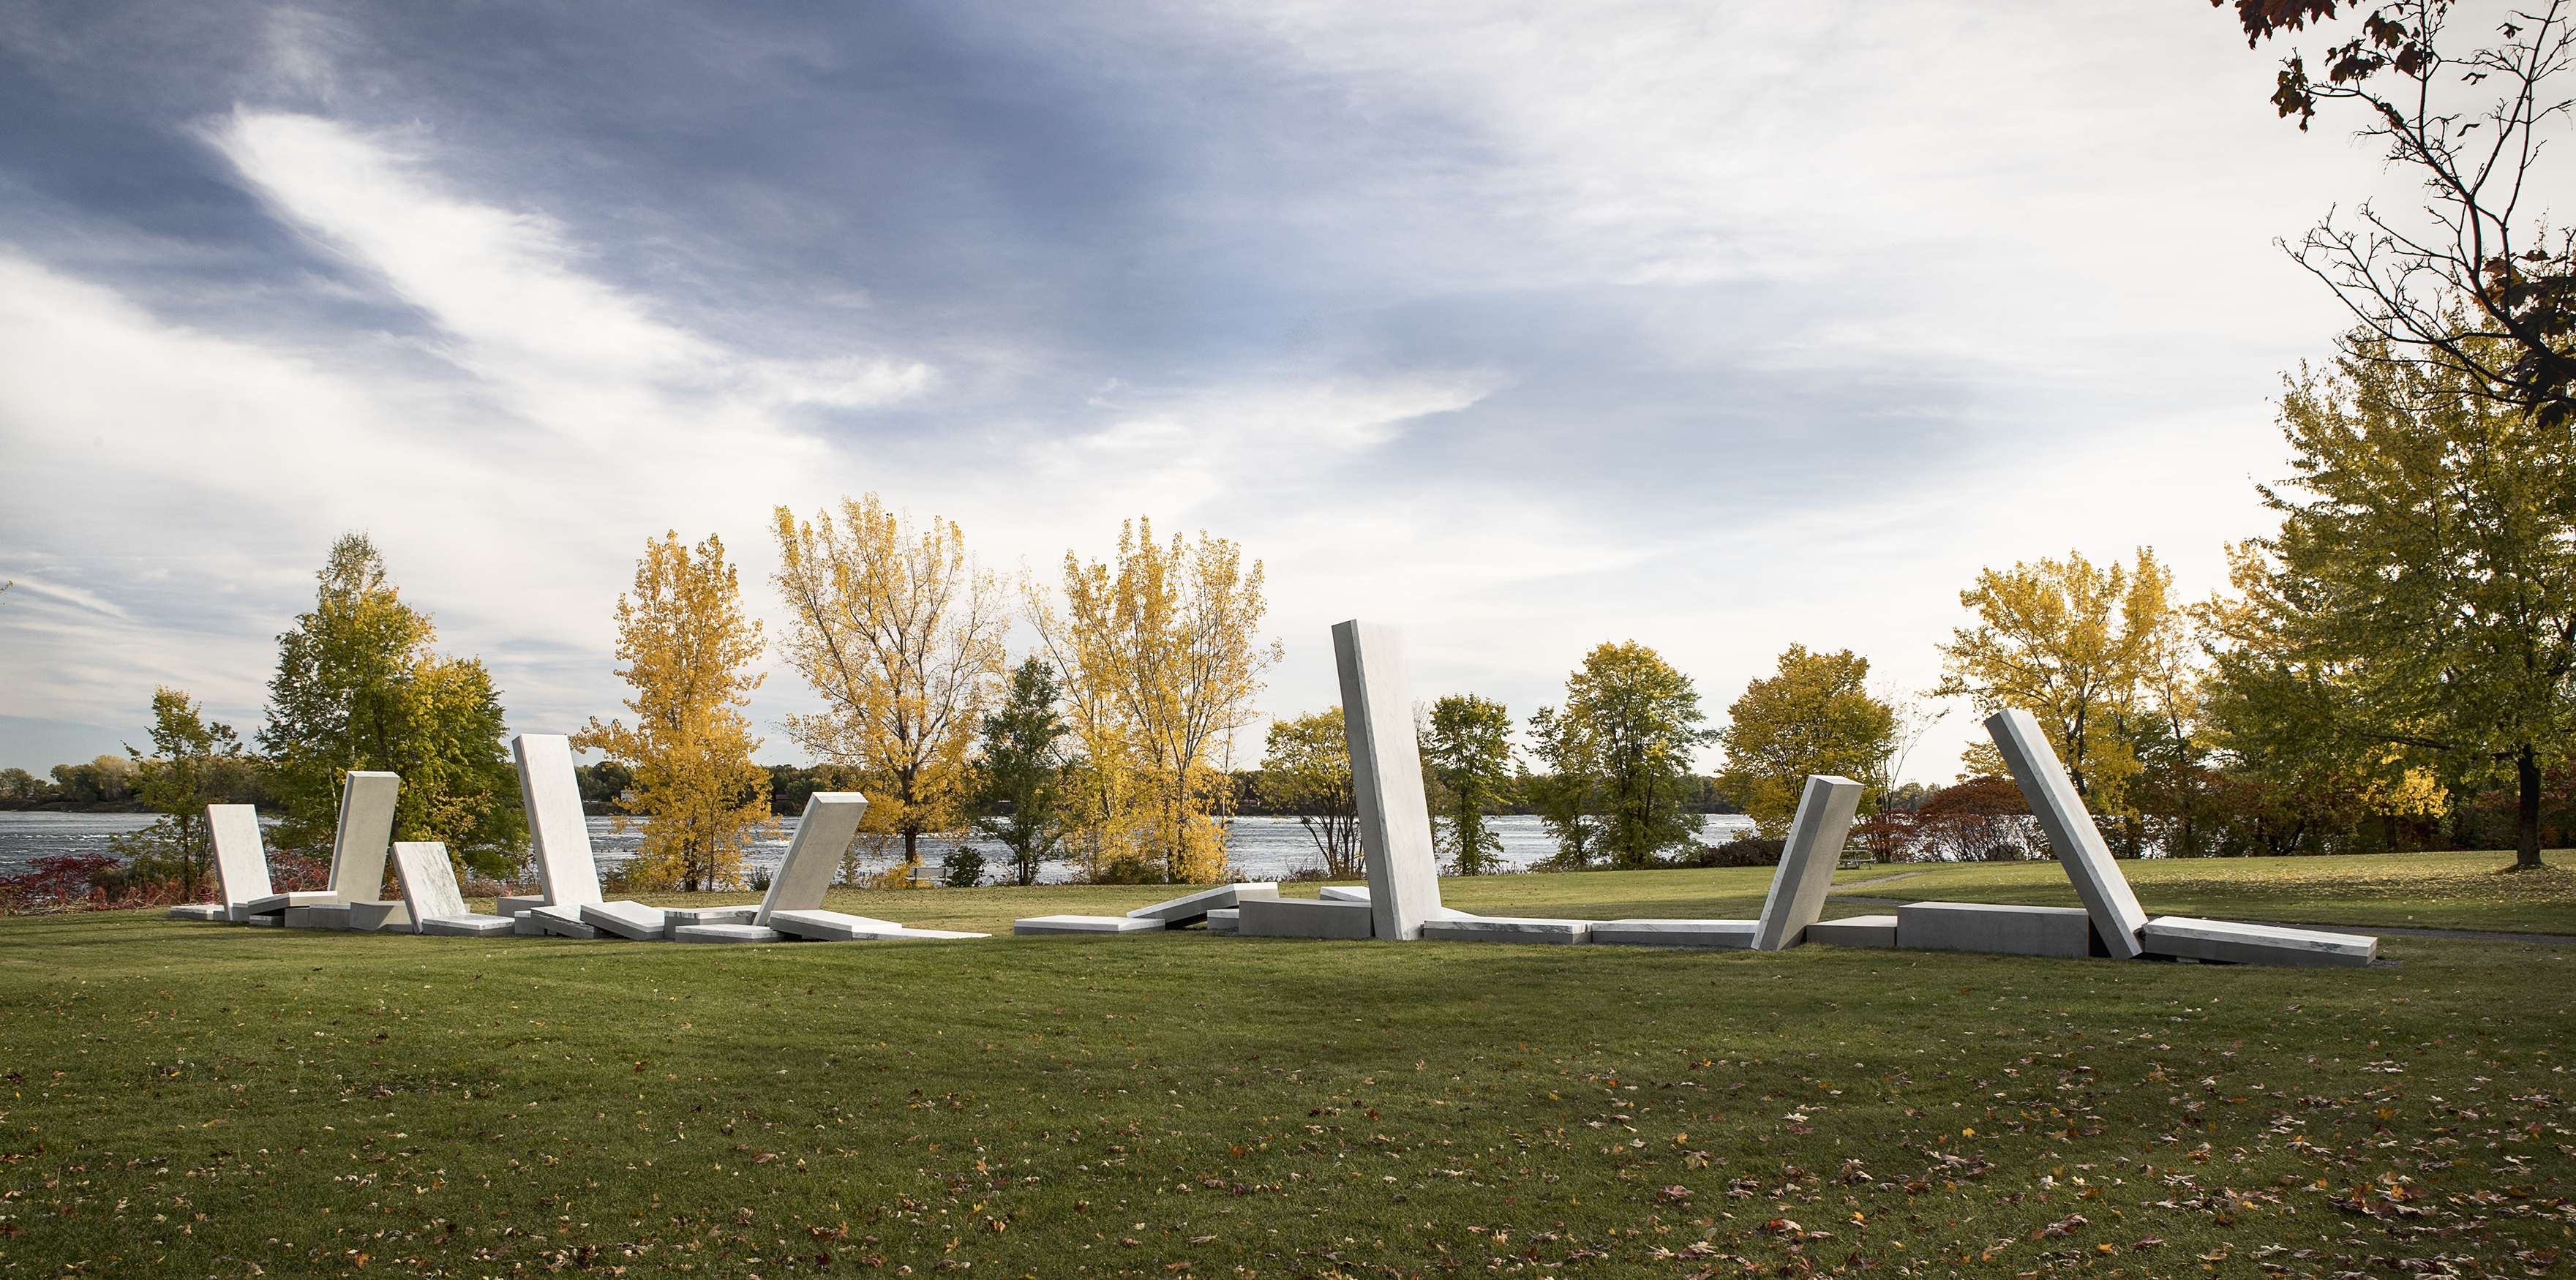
(1509, 929)
(273, 904)
(2228, 942)
(726, 933)
(1854, 931)
(1341, 893)
(1815, 844)
(2003, 930)
(560, 921)
(1191, 908)
(1224, 920)
(241, 856)
(430, 893)
(365, 835)
(1386, 778)
(1304, 918)
(830, 926)
(1722, 935)
(626, 920)
(1047, 926)
(2117, 917)
(823, 834)
(551, 795)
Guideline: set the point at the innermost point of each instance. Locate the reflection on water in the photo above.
(1262, 848)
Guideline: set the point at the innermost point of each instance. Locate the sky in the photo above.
(1521, 326)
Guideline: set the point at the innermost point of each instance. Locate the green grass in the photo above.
(189, 1100)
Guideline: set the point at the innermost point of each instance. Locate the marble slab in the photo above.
(200, 911)
(1978, 926)
(1305, 918)
(1386, 778)
(1509, 929)
(430, 894)
(365, 835)
(1815, 844)
(823, 834)
(379, 917)
(2228, 942)
(241, 856)
(2117, 917)
(1854, 931)
(1049, 926)
(626, 920)
(559, 921)
(1189, 909)
(1717, 935)
(1341, 893)
(551, 793)
(468, 926)
(1224, 920)
(725, 933)
(830, 926)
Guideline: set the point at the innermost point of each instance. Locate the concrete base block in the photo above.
(726, 933)
(329, 915)
(1509, 929)
(1191, 908)
(1854, 931)
(273, 904)
(1052, 926)
(2228, 942)
(683, 917)
(1304, 918)
(264, 922)
(380, 917)
(1224, 920)
(562, 922)
(509, 907)
(468, 927)
(2012, 931)
(626, 920)
(199, 911)
(831, 926)
(1341, 893)
(1716, 935)
(237, 912)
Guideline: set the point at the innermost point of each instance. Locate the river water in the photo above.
(1262, 848)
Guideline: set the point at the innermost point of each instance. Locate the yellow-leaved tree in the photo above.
(1816, 715)
(688, 652)
(901, 636)
(1161, 662)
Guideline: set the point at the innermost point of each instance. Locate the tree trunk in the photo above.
(2526, 844)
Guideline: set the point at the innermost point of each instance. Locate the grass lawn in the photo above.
(191, 1099)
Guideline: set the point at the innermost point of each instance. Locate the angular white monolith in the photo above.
(1386, 778)
(552, 793)
(2106, 893)
(823, 834)
(1816, 835)
(431, 897)
(241, 857)
(366, 835)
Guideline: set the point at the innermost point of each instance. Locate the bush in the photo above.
(963, 868)
(1748, 851)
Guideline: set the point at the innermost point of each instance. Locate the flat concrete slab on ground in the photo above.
(2228, 942)
(1719, 935)
(1522, 929)
(1068, 926)
(1189, 909)
(1997, 929)
(1854, 931)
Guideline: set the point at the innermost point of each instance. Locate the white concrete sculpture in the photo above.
(1977, 926)
(2227, 942)
(1343, 893)
(1386, 778)
(1509, 929)
(1225, 920)
(429, 891)
(2106, 893)
(1190, 908)
(678, 918)
(627, 920)
(1058, 926)
(1855, 931)
(1807, 861)
(551, 791)
(725, 933)
(559, 922)
(823, 834)
(838, 926)
(359, 848)
(241, 856)
(1305, 918)
(380, 917)
(1718, 935)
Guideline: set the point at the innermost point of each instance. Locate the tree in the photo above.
(901, 636)
(18, 784)
(688, 653)
(1628, 729)
(1306, 770)
(1023, 770)
(1565, 790)
(1160, 661)
(104, 780)
(2479, 283)
(2418, 606)
(193, 764)
(1468, 752)
(2067, 642)
(1815, 716)
(358, 688)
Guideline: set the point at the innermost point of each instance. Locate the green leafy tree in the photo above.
(1816, 715)
(1630, 725)
(358, 688)
(193, 763)
(1564, 789)
(1468, 752)
(1306, 770)
(1023, 773)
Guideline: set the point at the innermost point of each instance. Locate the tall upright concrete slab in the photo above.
(1386, 776)
(1815, 844)
(365, 839)
(823, 834)
(552, 794)
(241, 856)
(2117, 917)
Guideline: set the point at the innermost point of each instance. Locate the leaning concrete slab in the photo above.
(241, 856)
(725, 933)
(1304, 918)
(551, 792)
(2228, 942)
(1854, 931)
(558, 921)
(837, 926)
(1189, 909)
(675, 919)
(2106, 893)
(1721, 935)
(1052, 926)
(823, 834)
(365, 835)
(1815, 843)
(627, 920)
(1343, 893)
(429, 889)
(1563, 933)
(1386, 778)
(1979, 926)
